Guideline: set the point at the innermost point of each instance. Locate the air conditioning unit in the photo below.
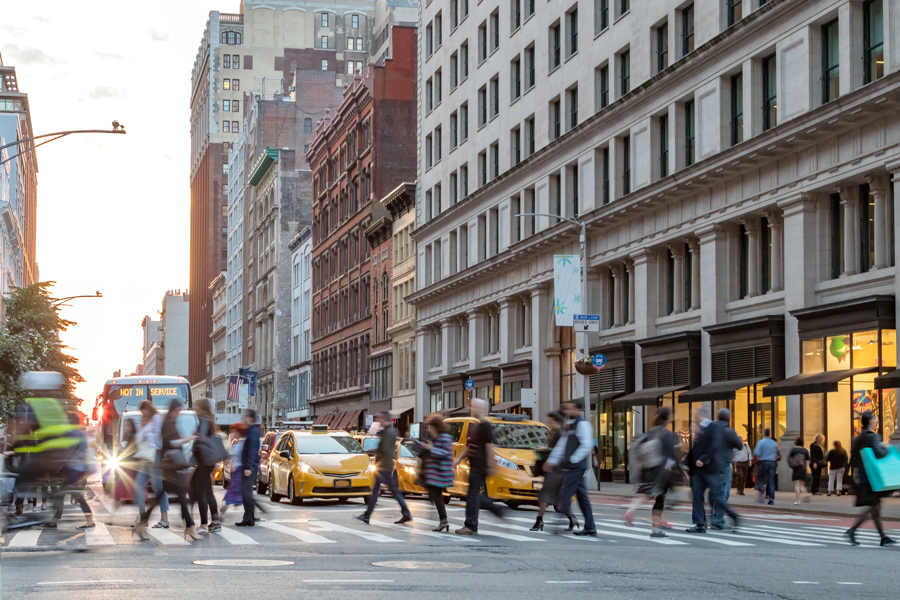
(292, 88)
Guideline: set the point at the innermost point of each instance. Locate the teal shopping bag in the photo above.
(883, 473)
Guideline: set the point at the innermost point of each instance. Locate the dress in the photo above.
(799, 474)
(233, 493)
(865, 495)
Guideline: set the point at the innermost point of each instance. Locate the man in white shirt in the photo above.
(571, 455)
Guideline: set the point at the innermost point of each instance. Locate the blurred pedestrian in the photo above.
(766, 452)
(865, 495)
(74, 477)
(728, 442)
(571, 455)
(236, 446)
(250, 465)
(798, 458)
(480, 452)
(837, 463)
(816, 463)
(201, 480)
(549, 494)
(173, 462)
(742, 466)
(149, 445)
(437, 465)
(384, 469)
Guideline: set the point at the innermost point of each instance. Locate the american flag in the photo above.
(234, 384)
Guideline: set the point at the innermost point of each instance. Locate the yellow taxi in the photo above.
(319, 464)
(217, 473)
(406, 465)
(369, 443)
(515, 440)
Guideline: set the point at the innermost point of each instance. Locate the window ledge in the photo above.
(493, 51)
(622, 16)
(601, 32)
(756, 305)
(528, 90)
(461, 365)
(515, 31)
(528, 18)
(493, 117)
(570, 57)
(679, 321)
(879, 281)
(553, 70)
(515, 100)
(463, 80)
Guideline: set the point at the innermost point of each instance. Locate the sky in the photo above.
(113, 210)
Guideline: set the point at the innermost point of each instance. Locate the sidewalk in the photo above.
(840, 506)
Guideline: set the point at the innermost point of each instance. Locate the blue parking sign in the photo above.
(599, 361)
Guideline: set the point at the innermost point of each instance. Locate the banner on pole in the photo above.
(566, 288)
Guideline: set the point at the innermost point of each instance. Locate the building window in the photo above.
(770, 93)
(354, 21)
(437, 144)
(226, 105)
(464, 181)
(495, 96)
(737, 109)
(236, 61)
(662, 47)
(226, 61)
(454, 189)
(516, 14)
(235, 85)
(235, 106)
(573, 107)
(464, 60)
(428, 152)
(735, 11)
(482, 169)
(687, 30)
(529, 63)
(529, 8)
(601, 15)
(495, 160)
(454, 124)
(324, 19)
(235, 127)
(324, 41)
(324, 64)
(663, 146)
(603, 93)
(555, 53)
(625, 72)
(429, 40)
(495, 30)
(226, 84)
(573, 32)
(517, 145)
(482, 106)
(873, 39)
(454, 14)
(454, 71)
(555, 124)
(515, 70)
(529, 131)
(689, 131)
(226, 126)
(626, 166)
(575, 205)
(624, 7)
(831, 69)
(307, 125)
(606, 197)
(482, 42)
(464, 122)
(429, 96)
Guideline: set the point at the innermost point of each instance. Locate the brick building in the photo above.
(359, 155)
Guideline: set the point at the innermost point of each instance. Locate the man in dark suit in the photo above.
(707, 457)
(729, 441)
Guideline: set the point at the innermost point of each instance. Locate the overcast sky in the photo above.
(113, 211)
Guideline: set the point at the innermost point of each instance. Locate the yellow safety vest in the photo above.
(53, 428)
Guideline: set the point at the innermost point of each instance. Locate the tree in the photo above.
(29, 341)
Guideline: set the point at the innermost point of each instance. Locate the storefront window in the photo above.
(889, 347)
(837, 352)
(863, 397)
(837, 411)
(865, 349)
(740, 414)
(681, 422)
(813, 408)
(434, 392)
(813, 355)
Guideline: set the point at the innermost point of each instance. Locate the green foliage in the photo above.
(29, 341)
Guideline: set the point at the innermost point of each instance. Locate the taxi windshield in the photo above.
(370, 443)
(407, 451)
(327, 444)
(519, 435)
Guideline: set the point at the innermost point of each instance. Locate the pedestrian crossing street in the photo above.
(324, 523)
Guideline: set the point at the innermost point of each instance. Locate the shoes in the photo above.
(87, 526)
(202, 529)
(161, 525)
(34, 508)
(466, 531)
(771, 503)
(243, 524)
(50, 525)
(403, 519)
(815, 494)
(886, 541)
(587, 532)
(796, 503)
(658, 534)
(573, 523)
(665, 525)
(141, 532)
(740, 493)
(538, 525)
(444, 526)
(829, 494)
(43, 506)
(851, 533)
(720, 527)
(191, 534)
(628, 517)
(735, 520)
(214, 527)
(362, 518)
(696, 529)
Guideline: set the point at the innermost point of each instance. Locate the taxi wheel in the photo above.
(272, 495)
(260, 486)
(514, 504)
(292, 493)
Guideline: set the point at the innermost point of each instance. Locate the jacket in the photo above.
(704, 450)
(250, 452)
(866, 439)
(387, 447)
(837, 459)
(577, 449)
(728, 442)
(438, 462)
(816, 456)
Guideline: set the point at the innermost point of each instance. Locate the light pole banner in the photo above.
(566, 288)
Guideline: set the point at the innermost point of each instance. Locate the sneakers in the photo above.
(43, 506)
(720, 527)
(665, 525)
(886, 541)
(87, 526)
(362, 518)
(214, 527)
(771, 503)
(34, 508)
(658, 534)
(243, 524)
(466, 531)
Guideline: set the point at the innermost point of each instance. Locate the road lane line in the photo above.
(305, 536)
(236, 537)
(98, 535)
(167, 538)
(26, 538)
(368, 535)
(347, 580)
(481, 531)
(94, 581)
(567, 582)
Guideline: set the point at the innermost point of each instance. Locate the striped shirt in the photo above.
(439, 462)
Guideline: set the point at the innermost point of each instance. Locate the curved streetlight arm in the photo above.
(55, 136)
(61, 301)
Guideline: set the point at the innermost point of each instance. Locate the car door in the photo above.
(275, 465)
(459, 432)
(286, 463)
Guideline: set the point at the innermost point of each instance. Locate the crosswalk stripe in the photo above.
(368, 535)
(724, 542)
(769, 538)
(167, 538)
(304, 536)
(481, 531)
(98, 535)
(235, 537)
(417, 531)
(25, 538)
(831, 529)
(633, 536)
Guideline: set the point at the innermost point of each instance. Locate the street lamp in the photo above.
(62, 301)
(583, 239)
(116, 128)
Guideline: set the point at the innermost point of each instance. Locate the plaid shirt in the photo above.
(742, 455)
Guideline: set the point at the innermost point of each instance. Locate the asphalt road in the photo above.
(324, 553)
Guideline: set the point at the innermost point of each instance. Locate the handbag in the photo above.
(146, 452)
(176, 459)
(882, 473)
(210, 450)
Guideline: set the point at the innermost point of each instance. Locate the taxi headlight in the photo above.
(370, 468)
(505, 462)
(306, 468)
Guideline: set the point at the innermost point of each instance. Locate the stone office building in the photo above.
(736, 164)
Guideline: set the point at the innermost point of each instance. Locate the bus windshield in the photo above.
(127, 396)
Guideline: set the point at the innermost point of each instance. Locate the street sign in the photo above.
(586, 323)
(470, 384)
(599, 361)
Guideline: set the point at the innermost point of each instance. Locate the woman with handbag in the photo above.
(149, 442)
(866, 497)
(437, 458)
(798, 458)
(173, 462)
(201, 482)
(549, 494)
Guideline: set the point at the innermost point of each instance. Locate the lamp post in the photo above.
(116, 128)
(62, 301)
(583, 239)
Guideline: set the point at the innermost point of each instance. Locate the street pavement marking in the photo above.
(235, 537)
(417, 531)
(347, 580)
(633, 536)
(567, 582)
(830, 529)
(25, 538)
(806, 582)
(694, 536)
(827, 537)
(94, 581)
(765, 538)
(304, 536)
(849, 583)
(369, 535)
(98, 535)
(167, 538)
(482, 524)
(100, 495)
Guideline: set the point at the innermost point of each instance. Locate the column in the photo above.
(618, 294)
(849, 199)
(677, 251)
(423, 406)
(646, 286)
(446, 346)
(878, 185)
(476, 339)
(776, 254)
(751, 226)
(629, 266)
(541, 326)
(713, 242)
(507, 331)
(894, 170)
(694, 248)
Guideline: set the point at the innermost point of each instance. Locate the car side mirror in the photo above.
(285, 454)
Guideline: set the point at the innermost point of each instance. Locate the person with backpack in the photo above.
(654, 460)
(797, 460)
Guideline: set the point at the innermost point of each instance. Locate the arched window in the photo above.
(384, 286)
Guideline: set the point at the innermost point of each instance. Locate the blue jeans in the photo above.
(718, 515)
(765, 478)
(573, 483)
(148, 471)
(386, 477)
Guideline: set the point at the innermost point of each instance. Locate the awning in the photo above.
(605, 396)
(645, 397)
(352, 419)
(319, 419)
(719, 390)
(339, 420)
(812, 383)
(504, 406)
(888, 381)
(396, 412)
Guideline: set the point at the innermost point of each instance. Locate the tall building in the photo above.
(299, 373)
(152, 347)
(737, 172)
(175, 337)
(359, 154)
(18, 188)
(217, 369)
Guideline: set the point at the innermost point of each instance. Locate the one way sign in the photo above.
(586, 323)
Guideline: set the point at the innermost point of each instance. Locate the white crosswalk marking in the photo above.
(724, 542)
(232, 536)
(417, 531)
(303, 536)
(98, 535)
(369, 535)
(167, 538)
(25, 538)
(769, 538)
(827, 538)
(482, 531)
(633, 536)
